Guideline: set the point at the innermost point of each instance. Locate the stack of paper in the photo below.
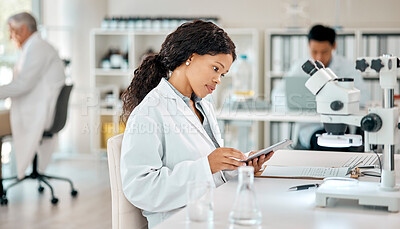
(304, 172)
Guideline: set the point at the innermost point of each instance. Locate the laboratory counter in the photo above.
(295, 209)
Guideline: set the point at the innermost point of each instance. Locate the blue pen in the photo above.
(303, 187)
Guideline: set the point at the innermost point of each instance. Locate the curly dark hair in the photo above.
(198, 37)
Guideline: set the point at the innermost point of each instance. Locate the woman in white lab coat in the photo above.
(172, 136)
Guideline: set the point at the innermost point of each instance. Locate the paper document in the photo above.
(304, 172)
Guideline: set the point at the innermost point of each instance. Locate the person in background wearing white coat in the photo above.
(37, 81)
(172, 136)
(322, 44)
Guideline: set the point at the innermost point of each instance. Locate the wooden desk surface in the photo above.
(294, 209)
(3, 110)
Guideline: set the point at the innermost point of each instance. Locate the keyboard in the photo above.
(362, 160)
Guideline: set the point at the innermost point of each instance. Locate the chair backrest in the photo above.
(60, 116)
(124, 214)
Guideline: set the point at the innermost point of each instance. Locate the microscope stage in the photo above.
(367, 193)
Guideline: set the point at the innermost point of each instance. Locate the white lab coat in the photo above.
(342, 67)
(164, 147)
(37, 81)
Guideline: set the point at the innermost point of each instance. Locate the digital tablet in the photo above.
(274, 147)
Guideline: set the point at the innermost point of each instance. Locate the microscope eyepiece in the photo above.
(344, 79)
(319, 64)
(309, 67)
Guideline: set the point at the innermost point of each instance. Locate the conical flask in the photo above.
(245, 210)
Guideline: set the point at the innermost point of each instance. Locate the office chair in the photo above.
(124, 214)
(60, 119)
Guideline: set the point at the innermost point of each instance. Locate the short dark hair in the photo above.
(322, 33)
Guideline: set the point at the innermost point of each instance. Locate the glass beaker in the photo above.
(245, 210)
(200, 201)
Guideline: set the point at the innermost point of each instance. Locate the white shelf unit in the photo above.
(137, 43)
(351, 43)
(375, 42)
(283, 47)
(242, 135)
(247, 42)
(107, 84)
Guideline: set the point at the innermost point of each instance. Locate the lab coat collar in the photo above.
(166, 91)
(331, 61)
(194, 97)
(28, 41)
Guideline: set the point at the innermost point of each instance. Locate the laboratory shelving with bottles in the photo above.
(116, 53)
(375, 42)
(242, 135)
(114, 56)
(284, 47)
(247, 44)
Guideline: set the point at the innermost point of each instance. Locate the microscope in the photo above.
(338, 103)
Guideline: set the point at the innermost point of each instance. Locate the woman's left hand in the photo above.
(259, 161)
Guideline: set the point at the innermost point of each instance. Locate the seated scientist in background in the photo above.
(37, 81)
(172, 136)
(322, 44)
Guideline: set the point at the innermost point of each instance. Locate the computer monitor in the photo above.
(298, 97)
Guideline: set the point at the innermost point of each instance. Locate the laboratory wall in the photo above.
(77, 18)
(271, 13)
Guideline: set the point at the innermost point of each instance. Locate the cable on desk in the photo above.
(380, 164)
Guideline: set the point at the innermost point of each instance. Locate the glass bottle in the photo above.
(113, 23)
(245, 210)
(105, 23)
(242, 79)
(121, 24)
(131, 23)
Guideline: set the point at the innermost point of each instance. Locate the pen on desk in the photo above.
(351, 168)
(367, 166)
(303, 187)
